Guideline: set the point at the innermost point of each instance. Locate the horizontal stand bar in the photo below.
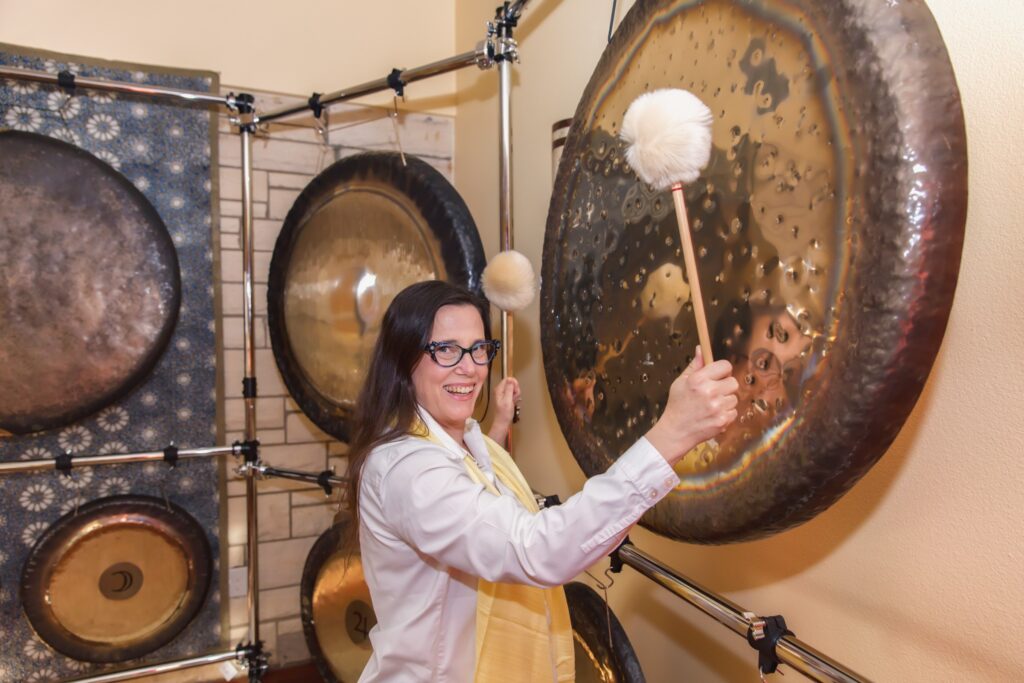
(120, 86)
(165, 667)
(297, 475)
(790, 650)
(476, 57)
(115, 459)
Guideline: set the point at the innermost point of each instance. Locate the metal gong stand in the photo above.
(497, 47)
(768, 635)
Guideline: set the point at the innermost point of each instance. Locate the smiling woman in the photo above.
(453, 546)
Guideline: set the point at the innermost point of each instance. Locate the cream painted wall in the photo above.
(915, 575)
(290, 47)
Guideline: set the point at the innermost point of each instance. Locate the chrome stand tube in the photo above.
(789, 649)
(296, 475)
(249, 383)
(113, 459)
(479, 57)
(117, 86)
(506, 236)
(155, 669)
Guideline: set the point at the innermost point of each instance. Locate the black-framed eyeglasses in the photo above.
(449, 354)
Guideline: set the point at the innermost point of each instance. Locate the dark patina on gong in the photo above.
(828, 227)
(364, 229)
(89, 283)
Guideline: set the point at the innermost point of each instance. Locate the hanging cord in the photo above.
(604, 595)
(611, 21)
(323, 131)
(393, 115)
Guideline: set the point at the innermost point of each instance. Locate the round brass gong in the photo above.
(89, 283)
(117, 580)
(603, 651)
(359, 233)
(337, 614)
(828, 227)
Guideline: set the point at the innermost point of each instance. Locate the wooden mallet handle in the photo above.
(692, 275)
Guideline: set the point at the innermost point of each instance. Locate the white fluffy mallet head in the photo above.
(669, 136)
(509, 281)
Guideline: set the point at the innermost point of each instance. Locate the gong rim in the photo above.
(73, 531)
(409, 180)
(326, 551)
(906, 196)
(591, 621)
(92, 194)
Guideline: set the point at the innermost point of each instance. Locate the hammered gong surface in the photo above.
(363, 230)
(89, 283)
(828, 227)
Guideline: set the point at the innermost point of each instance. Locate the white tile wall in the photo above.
(291, 514)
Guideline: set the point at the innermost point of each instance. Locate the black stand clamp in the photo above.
(323, 480)
(616, 559)
(62, 463)
(764, 634)
(171, 456)
(249, 449)
(255, 659)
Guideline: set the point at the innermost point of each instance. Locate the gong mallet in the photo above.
(669, 136)
(510, 283)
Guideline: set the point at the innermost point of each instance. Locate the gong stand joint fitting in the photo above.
(764, 634)
(62, 463)
(249, 387)
(254, 658)
(396, 83)
(171, 456)
(315, 105)
(66, 80)
(615, 558)
(323, 480)
(244, 105)
(250, 450)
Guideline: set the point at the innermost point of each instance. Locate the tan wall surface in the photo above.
(292, 47)
(915, 574)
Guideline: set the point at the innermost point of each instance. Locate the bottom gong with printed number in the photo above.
(116, 579)
(337, 614)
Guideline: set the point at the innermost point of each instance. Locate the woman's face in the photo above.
(449, 394)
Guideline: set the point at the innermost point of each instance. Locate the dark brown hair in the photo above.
(386, 407)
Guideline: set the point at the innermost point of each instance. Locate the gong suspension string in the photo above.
(611, 21)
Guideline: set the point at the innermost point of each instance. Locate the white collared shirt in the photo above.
(427, 531)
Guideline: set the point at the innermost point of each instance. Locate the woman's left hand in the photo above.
(506, 398)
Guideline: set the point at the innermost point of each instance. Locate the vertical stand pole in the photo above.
(505, 191)
(256, 659)
(505, 56)
(249, 382)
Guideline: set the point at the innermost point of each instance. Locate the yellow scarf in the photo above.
(523, 633)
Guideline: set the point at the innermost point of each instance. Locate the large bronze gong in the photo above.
(358, 234)
(337, 614)
(117, 580)
(828, 227)
(89, 283)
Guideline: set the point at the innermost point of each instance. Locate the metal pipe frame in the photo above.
(790, 650)
(113, 459)
(480, 57)
(159, 92)
(166, 667)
